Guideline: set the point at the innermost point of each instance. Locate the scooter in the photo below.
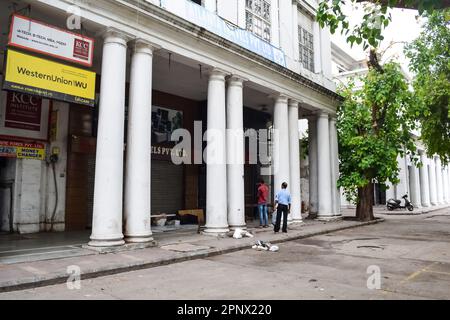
(393, 204)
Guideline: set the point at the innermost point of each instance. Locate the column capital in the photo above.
(140, 45)
(236, 80)
(279, 97)
(113, 35)
(293, 103)
(323, 114)
(217, 74)
(333, 117)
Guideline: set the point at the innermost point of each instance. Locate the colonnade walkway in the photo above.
(31, 263)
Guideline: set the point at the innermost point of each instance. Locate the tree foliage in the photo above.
(374, 125)
(376, 17)
(430, 61)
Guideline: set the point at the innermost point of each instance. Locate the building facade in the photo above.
(210, 66)
(426, 186)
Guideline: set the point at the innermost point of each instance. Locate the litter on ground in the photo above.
(265, 246)
(239, 234)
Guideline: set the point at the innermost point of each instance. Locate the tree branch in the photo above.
(373, 61)
(407, 5)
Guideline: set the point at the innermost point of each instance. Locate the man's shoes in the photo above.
(261, 226)
(266, 226)
(284, 231)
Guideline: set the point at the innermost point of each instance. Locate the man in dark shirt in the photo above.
(263, 194)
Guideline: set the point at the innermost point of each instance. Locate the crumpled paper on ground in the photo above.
(265, 246)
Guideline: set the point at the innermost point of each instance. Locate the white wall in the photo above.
(229, 10)
(49, 197)
(284, 27)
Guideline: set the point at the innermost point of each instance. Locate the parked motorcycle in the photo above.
(393, 204)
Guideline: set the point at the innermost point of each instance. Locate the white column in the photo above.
(439, 181)
(313, 166)
(294, 161)
(281, 143)
(403, 186)
(334, 153)
(448, 184)
(107, 213)
(324, 167)
(235, 153)
(424, 181)
(138, 165)
(415, 186)
(216, 168)
(433, 186)
(445, 183)
(390, 193)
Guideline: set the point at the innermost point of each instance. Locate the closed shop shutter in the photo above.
(167, 187)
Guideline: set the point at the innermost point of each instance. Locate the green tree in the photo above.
(430, 61)
(374, 126)
(368, 32)
(376, 120)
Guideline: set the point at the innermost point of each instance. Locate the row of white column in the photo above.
(430, 184)
(324, 195)
(107, 228)
(225, 202)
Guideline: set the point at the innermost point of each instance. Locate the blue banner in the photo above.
(213, 23)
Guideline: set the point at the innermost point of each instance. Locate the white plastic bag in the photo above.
(237, 234)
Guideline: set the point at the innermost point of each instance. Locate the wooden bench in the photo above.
(197, 213)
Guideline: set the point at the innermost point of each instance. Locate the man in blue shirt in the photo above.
(283, 205)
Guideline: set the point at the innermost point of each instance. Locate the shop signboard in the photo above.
(23, 111)
(164, 122)
(36, 36)
(48, 79)
(22, 150)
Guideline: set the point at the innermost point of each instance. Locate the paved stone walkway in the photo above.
(170, 248)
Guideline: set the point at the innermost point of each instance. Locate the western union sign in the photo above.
(52, 80)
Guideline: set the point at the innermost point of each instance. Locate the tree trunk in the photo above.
(364, 208)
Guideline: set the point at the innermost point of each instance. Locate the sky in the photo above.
(404, 27)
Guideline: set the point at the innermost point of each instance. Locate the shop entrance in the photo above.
(7, 176)
(80, 168)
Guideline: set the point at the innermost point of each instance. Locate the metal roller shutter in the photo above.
(167, 187)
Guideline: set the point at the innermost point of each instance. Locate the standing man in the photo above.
(263, 194)
(283, 205)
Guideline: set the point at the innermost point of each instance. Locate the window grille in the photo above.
(257, 16)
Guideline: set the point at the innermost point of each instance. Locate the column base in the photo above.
(426, 205)
(328, 218)
(297, 221)
(243, 227)
(106, 243)
(215, 232)
(139, 239)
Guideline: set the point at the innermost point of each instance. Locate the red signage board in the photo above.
(23, 111)
(29, 34)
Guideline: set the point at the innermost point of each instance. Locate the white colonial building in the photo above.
(426, 186)
(163, 65)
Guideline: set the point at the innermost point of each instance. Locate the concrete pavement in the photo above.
(171, 248)
(412, 254)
